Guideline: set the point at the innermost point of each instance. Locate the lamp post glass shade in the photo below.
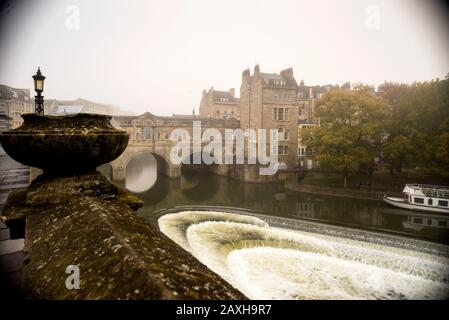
(38, 81)
(39, 88)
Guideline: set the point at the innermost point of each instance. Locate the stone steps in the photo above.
(12, 176)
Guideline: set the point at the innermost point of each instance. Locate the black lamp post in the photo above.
(39, 88)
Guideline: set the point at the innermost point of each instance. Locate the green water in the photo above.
(203, 188)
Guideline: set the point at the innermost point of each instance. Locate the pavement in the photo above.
(13, 175)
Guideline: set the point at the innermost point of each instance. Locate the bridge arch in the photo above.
(163, 163)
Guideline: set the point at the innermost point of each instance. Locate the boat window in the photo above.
(443, 203)
(442, 223)
(430, 202)
(429, 222)
(418, 200)
(417, 220)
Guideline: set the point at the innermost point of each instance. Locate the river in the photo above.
(292, 245)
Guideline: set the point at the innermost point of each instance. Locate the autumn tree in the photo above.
(351, 131)
(418, 126)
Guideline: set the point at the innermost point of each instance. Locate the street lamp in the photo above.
(39, 88)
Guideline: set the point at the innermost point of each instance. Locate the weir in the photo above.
(311, 261)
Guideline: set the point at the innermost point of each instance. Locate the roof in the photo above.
(67, 109)
(275, 76)
(218, 95)
(7, 92)
(183, 116)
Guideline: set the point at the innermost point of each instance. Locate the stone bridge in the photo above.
(151, 134)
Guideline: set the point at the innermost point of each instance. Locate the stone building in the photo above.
(307, 98)
(219, 104)
(13, 103)
(269, 101)
(276, 101)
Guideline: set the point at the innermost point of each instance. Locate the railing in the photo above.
(431, 191)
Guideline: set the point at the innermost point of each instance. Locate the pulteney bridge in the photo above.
(151, 134)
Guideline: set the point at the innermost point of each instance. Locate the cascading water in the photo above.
(266, 262)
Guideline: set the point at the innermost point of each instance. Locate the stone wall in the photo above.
(118, 255)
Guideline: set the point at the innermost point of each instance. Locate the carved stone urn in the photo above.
(65, 145)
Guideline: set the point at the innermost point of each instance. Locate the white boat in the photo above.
(422, 197)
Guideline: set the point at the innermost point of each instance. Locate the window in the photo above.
(282, 150)
(266, 81)
(442, 223)
(443, 203)
(281, 132)
(418, 200)
(301, 151)
(429, 202)
(276, 97)
(147, 133)
(300, 95)
(280, 114)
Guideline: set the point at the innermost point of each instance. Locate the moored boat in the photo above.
(422, 197)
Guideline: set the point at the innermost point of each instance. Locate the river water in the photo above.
(292, 245)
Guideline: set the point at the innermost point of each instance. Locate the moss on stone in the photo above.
(120, 256)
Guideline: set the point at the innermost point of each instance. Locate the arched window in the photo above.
(282, 134)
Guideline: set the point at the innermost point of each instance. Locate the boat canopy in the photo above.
(426, 190)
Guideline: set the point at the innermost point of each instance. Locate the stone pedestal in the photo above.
(75, 219)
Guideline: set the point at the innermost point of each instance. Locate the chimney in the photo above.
(288, 73)
(256, 69)
(232, 92)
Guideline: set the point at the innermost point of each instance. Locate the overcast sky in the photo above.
(158, 56)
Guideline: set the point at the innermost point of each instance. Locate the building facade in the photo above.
(13, 103)
(271, 101)
(219, 104)
(307, 98)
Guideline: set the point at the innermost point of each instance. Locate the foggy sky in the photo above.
(158, 56)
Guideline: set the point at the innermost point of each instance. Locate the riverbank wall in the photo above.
(339, 192)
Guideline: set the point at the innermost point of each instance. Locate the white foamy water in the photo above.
(265, 262)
